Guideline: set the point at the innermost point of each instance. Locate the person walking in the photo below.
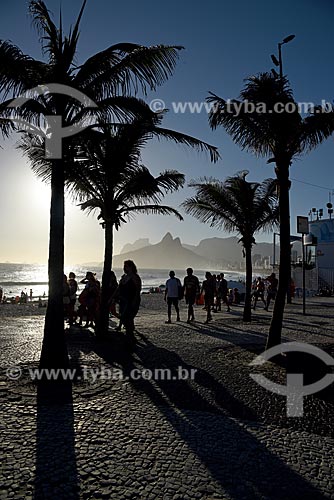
(223, 291)
(191, 291)
(209, 289)
(172, 292)
(272, 289)
(259, 292)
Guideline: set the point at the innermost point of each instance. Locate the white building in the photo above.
(323, 229)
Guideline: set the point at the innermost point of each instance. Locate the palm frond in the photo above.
(264, 120)
(123, 68)
(187, 140)
(153, 209)
(33, 148)
(18, 72)
(317, 127)
(91, 205)
(49, 34)
(234, 205)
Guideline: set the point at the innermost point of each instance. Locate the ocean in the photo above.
(15, 278)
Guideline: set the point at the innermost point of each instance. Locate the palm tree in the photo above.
(236, 205)
(118, 185)
(266, 121)
(105, 79)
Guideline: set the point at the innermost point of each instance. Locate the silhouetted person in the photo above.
(272, 289)
(259, 292)
(236, 296)
(223, 291)
(173, 286)
(129, 289)
(73, 285)
(209, 289)
(191, 291)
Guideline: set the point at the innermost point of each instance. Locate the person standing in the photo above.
(218, 303)
(113, 285)
(66, 296)
(191, 291)
(223, 291)
(173, 286)
(128, 292)
(90, 299)
(259, 292)
(72, 283)
(209, 289)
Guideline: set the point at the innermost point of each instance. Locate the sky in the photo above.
(225, 42)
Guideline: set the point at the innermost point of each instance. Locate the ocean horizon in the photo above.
(17, 278)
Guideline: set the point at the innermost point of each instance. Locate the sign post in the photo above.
(302, 227)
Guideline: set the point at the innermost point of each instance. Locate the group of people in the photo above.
(23, 298)
(214, 288)
(124, 294)
(262, 285)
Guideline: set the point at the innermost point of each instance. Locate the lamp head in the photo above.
(288, 38)
(274, 60)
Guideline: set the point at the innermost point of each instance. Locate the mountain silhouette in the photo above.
(170, 253)
(141, 243)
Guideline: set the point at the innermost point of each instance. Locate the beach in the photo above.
(216, 435)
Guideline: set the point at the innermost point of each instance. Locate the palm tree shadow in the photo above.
(56, 473)
(231, 454)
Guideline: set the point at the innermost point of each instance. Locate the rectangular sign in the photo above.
(302, 224)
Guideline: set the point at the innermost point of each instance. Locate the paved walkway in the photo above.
(219, 436)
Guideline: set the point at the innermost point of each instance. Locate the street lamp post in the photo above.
(279, 62)
(319, 212)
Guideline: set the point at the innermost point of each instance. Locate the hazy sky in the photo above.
(225, 41)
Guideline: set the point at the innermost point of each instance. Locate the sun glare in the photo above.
(40, 194)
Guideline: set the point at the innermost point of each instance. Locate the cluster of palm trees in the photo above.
(101, 164)
(275, 130)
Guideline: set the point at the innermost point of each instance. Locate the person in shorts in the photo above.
(258, 292)
(172, 291)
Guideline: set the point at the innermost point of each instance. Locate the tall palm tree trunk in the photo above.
(103, 323)
(54, 350)
(275, 330)
(247, 315)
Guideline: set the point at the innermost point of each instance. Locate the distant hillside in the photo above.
(226, 250)
(141, 243)
(167, 254)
